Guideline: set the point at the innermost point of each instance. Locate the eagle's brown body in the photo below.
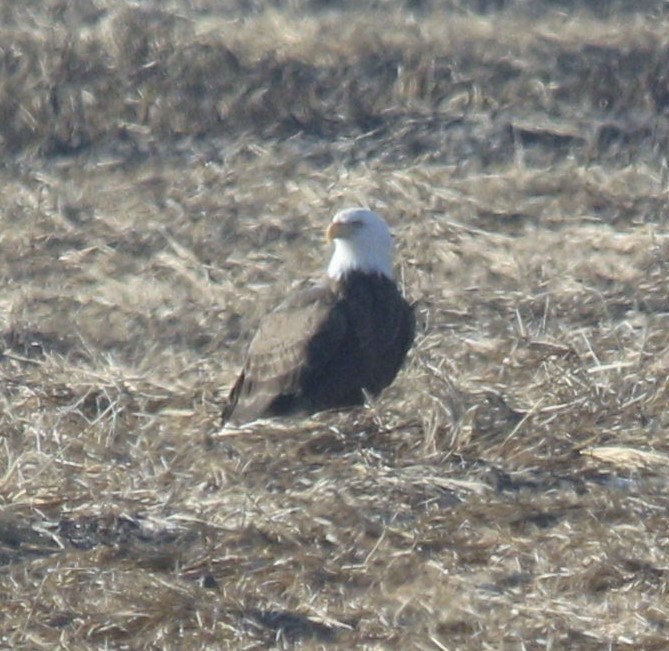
(322, 347)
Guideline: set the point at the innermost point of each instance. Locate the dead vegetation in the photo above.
(168, 171)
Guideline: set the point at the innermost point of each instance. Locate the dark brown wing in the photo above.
(298, 338)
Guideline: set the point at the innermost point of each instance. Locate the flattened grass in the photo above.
(168, 175)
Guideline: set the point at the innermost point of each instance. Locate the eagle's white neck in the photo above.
(348, 257)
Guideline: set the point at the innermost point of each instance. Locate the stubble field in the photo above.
(168, 171)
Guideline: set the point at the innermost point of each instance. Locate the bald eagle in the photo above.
(326, 345)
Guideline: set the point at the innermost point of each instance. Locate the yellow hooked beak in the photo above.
(339, 230)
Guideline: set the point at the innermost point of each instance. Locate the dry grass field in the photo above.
(168, 170)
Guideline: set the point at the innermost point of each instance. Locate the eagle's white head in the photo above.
(362, 242)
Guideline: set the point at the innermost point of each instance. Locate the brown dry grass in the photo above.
(167, 174)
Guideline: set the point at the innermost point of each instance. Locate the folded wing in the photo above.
(293, 345)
